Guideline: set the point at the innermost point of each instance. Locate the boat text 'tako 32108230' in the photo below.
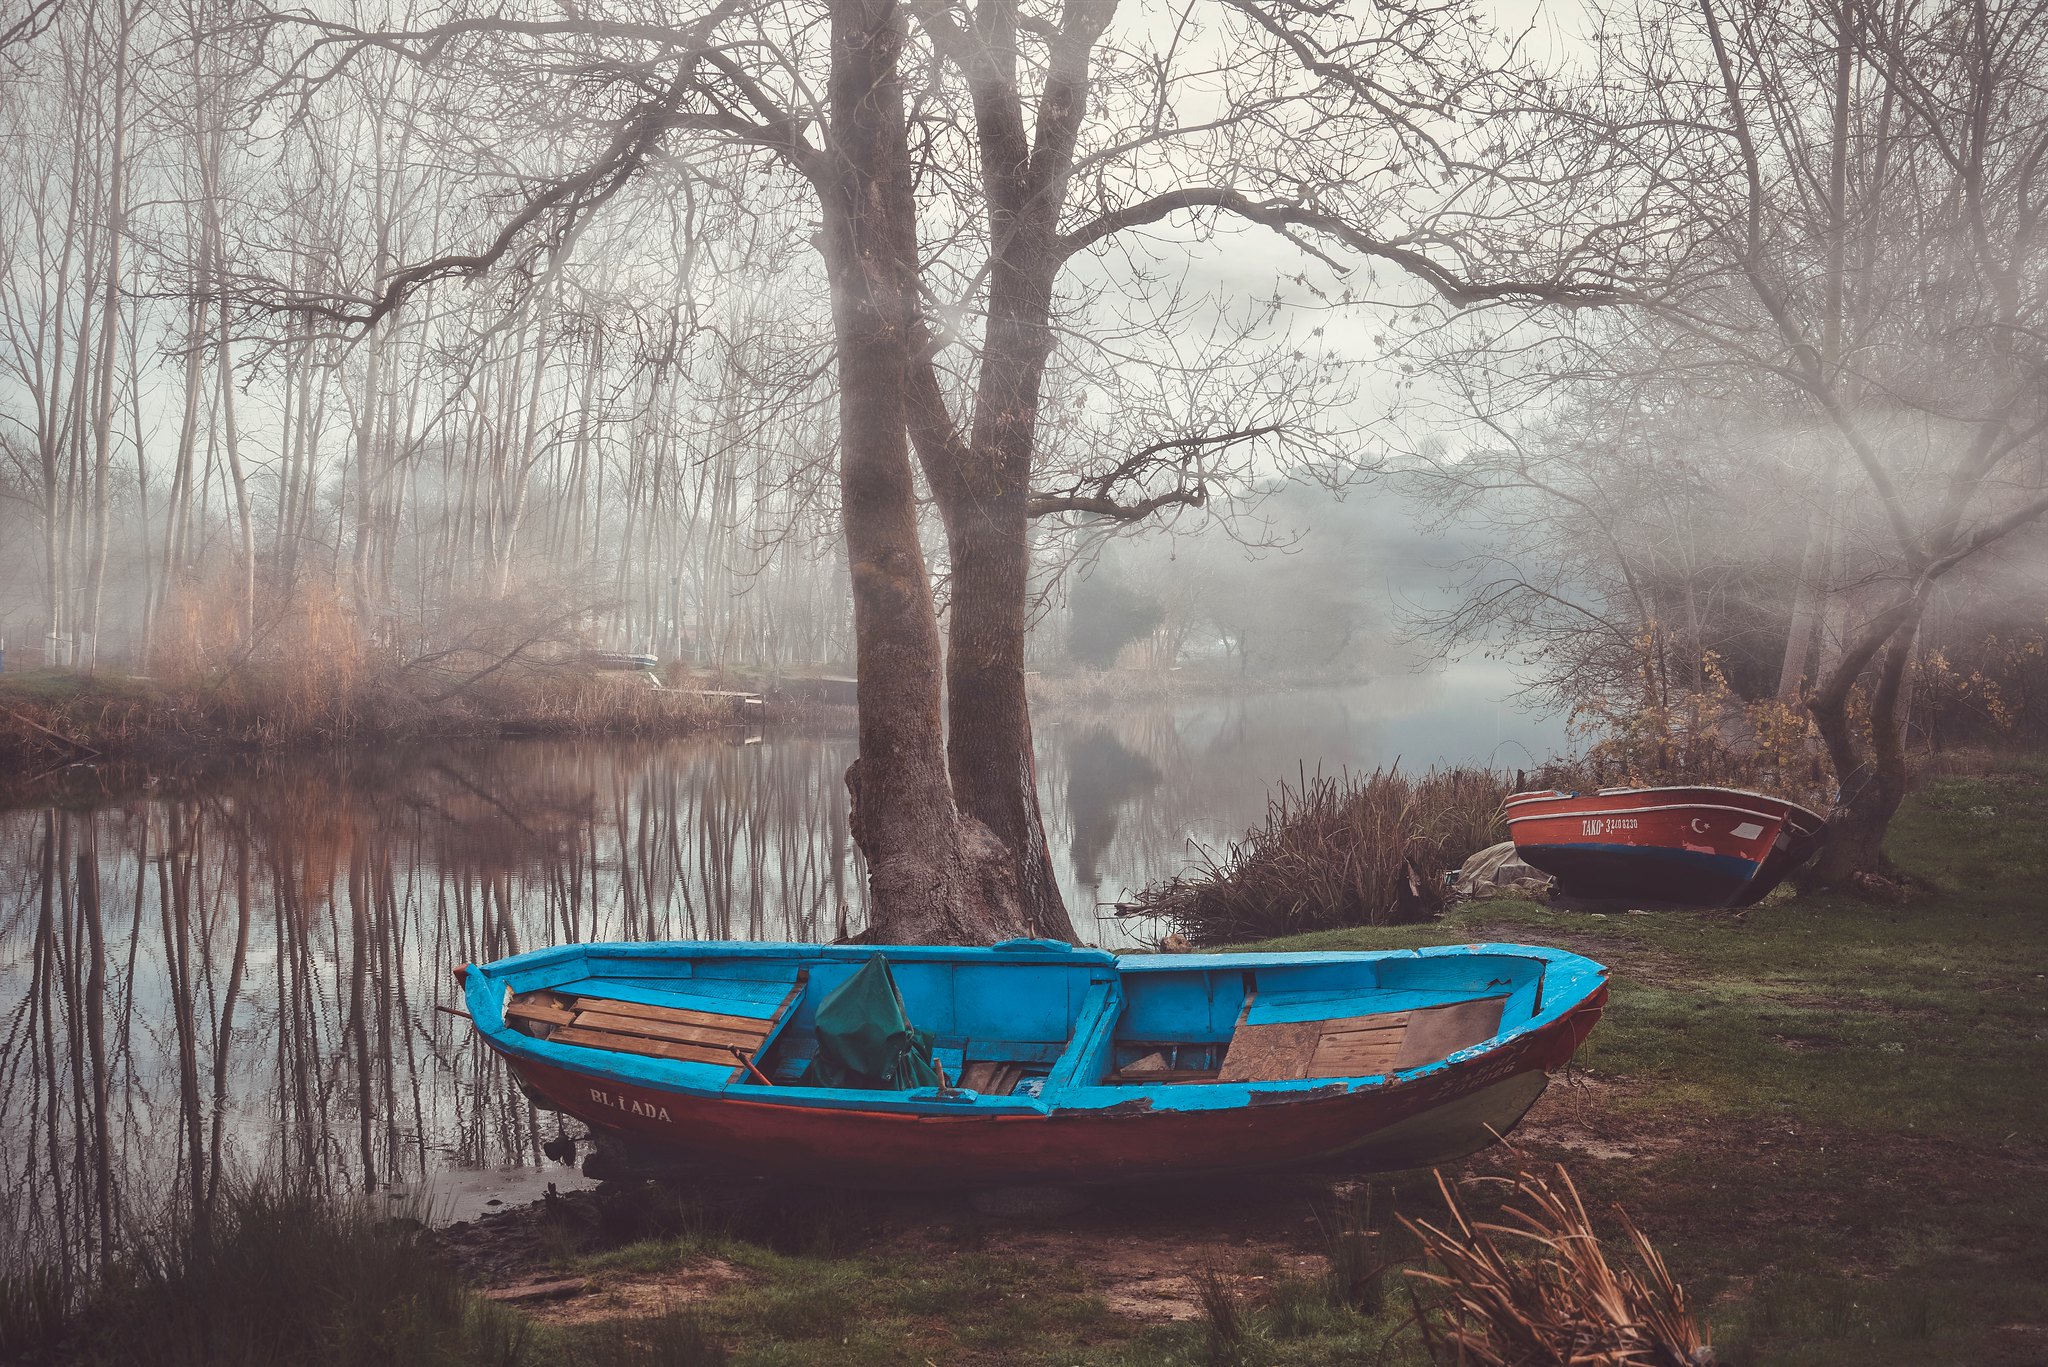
(1699, 847)
(1034, 1061)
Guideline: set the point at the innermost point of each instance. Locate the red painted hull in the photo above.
(1691, 846)
(1432, 1118)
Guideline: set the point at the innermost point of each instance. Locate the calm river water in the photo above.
(237, 978)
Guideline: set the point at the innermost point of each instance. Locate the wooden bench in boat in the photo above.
(1355, 1046)
(686, 1034)
(993, 1077)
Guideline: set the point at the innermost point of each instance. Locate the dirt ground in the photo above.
(1146, 1251)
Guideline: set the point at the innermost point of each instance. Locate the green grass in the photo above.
(1827, 1114)
(1835, 1110)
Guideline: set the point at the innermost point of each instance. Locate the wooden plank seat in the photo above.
(683, 1033)
(991, 1077)
(1356, 1046)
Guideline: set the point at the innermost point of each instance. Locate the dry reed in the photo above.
(308, 673)
(1539, 1290)
(1335, 851)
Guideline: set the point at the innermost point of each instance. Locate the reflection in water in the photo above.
(1199, 772)
(1102, 776)
(241, 980)
(239, 976)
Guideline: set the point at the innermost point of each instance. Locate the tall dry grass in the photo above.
(1538, 1287)
(310, 672)
(1347, 850)
(278, 1277)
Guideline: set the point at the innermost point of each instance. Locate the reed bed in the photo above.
(1539, 1288)
(51, 717)
(1083, 688)
(307, 670)
(1333, 851)
(1088, 689)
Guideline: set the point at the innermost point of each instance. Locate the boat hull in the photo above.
(1447, 1113)
(1700, 847)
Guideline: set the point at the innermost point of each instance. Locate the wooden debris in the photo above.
(1440, 1031)
(1356, 1046)
(528, 1292)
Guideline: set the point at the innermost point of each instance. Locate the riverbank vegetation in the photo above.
(1825, 1115)
(1379, 849)
(1334, 850)
(52, 718)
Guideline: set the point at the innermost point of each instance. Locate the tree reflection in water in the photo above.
(240, 979)
(235, 976)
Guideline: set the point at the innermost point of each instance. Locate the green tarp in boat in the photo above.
(865, 1039)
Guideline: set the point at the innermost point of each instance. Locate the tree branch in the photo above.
(39, 16)
(1043, 505)
(573, 197)
(1282, 216)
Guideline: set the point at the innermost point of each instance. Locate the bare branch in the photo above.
(1283, 216)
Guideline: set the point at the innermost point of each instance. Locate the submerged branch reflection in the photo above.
(264, 1002)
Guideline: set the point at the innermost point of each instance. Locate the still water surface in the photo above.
(238, 977)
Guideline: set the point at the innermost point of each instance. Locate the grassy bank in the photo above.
(54, 717)
(1832, 1115)
(1829, 1116)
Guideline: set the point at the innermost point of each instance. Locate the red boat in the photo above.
(1698, 847)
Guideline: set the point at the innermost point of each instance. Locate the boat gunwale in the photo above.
(1562, 794)
(1639, 811)
(1581, 980)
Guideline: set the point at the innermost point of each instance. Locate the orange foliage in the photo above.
(1666, 735)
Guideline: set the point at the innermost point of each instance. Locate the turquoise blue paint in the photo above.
(1037, 1002)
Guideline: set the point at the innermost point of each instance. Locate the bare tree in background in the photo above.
(1844, 204)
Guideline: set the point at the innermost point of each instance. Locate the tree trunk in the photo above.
(922, 875)
(988, 714)
(983, 485)
(1873, 782)
(110, 329)
(1810, 593)
(984, 501)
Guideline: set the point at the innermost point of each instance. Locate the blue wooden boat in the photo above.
(1053, 1064)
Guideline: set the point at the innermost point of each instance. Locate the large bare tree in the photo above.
(1295, 102)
